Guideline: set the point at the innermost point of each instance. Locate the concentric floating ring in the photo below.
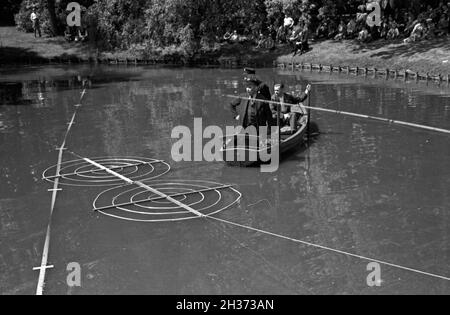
(134, 203)
(82, 174)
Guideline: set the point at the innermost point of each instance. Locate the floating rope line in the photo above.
(159, 192)
(80, 173)
(386, 120)
(44, 262)
(329, 249)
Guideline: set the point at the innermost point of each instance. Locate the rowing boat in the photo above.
(244, 150)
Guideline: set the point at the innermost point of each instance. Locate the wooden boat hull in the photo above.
(244, 150)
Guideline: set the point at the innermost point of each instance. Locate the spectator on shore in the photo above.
(411, 22)
(364, 35)
(430, 30)
(351, 29)
(322, 30)
(234, 37)
(36, 23)
(82, 35)
(443, 25)
(227, 36)
(384, 28)
(261, 40)
(281, 35)
(295, 39)
(288, 22)
(265, 42)
(68, 34)
(342, 31)
(332, 28)
(393, 32)
(288, 27)
(272, 30)
(417, 33)
(301, 43)
(361, 16)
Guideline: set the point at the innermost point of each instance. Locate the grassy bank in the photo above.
(431, 56)
(20, 48)
(16, 46)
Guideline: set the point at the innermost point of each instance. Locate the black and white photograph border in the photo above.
(107, 182)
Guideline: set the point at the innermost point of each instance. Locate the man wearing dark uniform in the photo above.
(255, 111)
(250, 73)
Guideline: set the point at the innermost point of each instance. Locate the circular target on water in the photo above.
(136, 203)
(84, 174)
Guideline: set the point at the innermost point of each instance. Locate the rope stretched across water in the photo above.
(329, 248)
(208, 217)
(44, 261)
(387, 120)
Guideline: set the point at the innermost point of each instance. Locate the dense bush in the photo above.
(8, 8)
(23, 21)
(184, 27)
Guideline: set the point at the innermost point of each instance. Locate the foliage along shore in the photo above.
(430, 56)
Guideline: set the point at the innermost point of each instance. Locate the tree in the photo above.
(52, 16)
(7, 10)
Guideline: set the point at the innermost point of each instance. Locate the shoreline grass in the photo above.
(431, 56)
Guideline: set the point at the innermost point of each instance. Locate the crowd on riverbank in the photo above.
(395, 23)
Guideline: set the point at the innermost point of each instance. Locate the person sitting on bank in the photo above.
(342, 31)
(289, 115)
(301, 41)
(364, 35)
(351, 29)
(68, 34)
(393, 32)
(234, 37)
(255, 112)
(82, 35)
(417, 33)
(227, 36)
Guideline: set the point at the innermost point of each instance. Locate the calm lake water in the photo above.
(364, 187)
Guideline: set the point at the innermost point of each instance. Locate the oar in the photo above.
(391, 121)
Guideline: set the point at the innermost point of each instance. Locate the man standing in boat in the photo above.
(290, 115)
(255, 112)
(250, 73)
